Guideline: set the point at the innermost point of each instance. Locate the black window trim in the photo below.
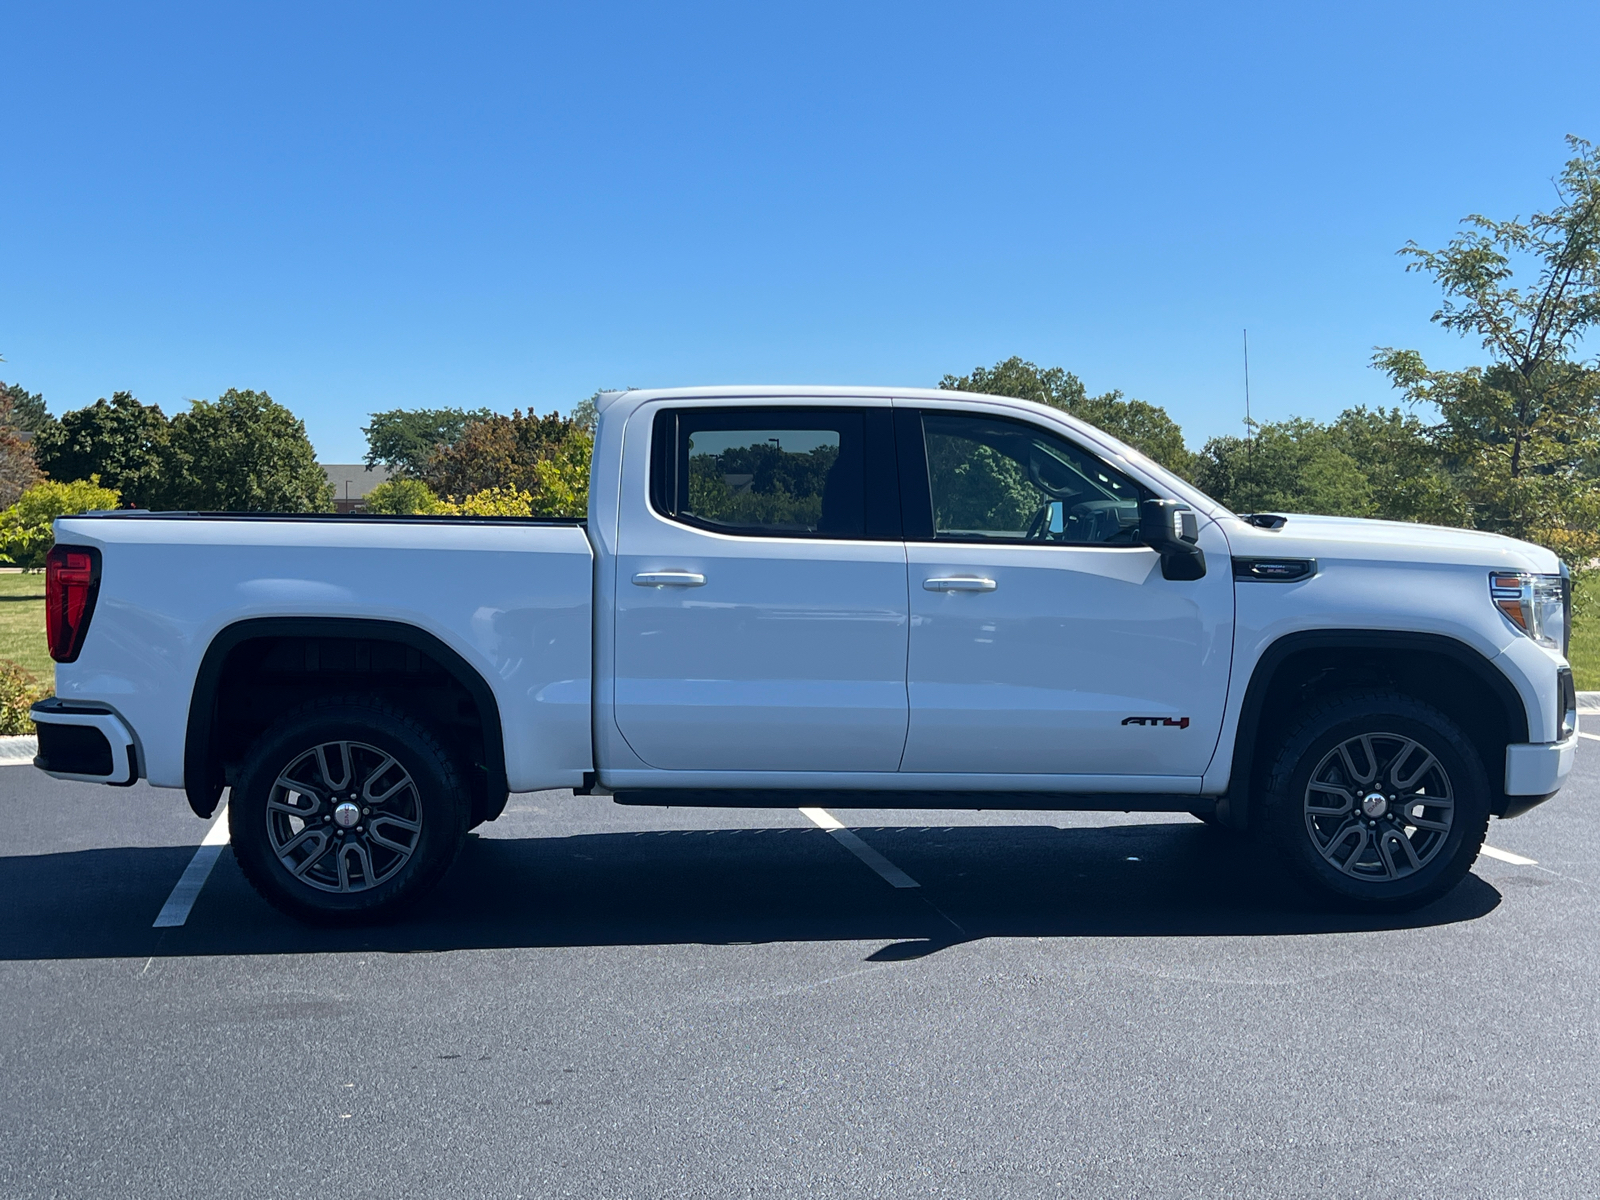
(916, 490)
(881, 483)
(916, 500)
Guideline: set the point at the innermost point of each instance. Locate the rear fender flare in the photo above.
(202, 768)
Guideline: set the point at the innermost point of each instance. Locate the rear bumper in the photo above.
(90, 745)
(1536, 771)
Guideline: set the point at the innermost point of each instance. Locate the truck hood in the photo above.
(1359, 540)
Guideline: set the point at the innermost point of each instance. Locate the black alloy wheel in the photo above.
(346, 809)
(1377, 800)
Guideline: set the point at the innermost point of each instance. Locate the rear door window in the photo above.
(777, 472)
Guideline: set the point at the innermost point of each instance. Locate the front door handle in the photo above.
(669, 579)
(959, 583)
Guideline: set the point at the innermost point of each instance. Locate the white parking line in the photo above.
(1505, 856)
(187, 890)
(823, 819)
(1593, 737)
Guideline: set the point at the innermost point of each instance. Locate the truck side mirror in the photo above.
(1171, 529)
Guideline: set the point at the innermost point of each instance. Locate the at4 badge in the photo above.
(1179, 722)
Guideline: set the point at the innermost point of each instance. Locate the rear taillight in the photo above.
(71, 580)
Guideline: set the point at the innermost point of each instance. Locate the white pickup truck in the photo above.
(847, 597)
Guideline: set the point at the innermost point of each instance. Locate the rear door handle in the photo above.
(669, 579)
(959, 583)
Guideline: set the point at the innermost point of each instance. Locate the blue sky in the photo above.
(360, 208)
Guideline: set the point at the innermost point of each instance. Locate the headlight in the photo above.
(1539, 605)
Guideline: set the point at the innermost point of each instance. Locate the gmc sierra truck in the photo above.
(844, 597)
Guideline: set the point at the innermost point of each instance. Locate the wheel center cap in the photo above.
(346, 815)
(1374, 804)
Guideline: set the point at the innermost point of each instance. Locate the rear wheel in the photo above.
(1378, 801)
(346, 810)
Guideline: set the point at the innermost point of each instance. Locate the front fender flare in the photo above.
(1233, 808)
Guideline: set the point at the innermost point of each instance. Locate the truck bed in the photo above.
(511, 596)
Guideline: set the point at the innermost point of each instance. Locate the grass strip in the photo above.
(1585, 655)
(22, 625)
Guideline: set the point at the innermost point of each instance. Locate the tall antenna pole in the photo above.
(1249, 425)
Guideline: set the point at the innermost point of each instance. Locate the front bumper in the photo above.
(1535, 772)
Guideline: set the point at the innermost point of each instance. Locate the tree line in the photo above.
(242, 452)
(481, 463)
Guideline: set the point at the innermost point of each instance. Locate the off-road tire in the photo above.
(437, 799)
(1316, 736)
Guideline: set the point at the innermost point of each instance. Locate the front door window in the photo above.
(998, 480)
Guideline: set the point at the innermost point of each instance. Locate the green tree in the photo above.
(563, 479)
(1367, 463)
(27, 411)
(1405, 470)
(586, 413)
(1295, 466)
(506, 452)
(27, 527)
(1522, 434)
(404, 439)
(244, 452)
(1288, 466)
(402, 498)
(122, 441)
(1145, 427)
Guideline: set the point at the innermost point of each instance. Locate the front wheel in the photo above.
(1378, 801)
(346, 810)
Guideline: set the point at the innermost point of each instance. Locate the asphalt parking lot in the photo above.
(609, 1001)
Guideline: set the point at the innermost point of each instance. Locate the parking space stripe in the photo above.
(823, 819)
(187, 890)
(1593, 737)
(1505, 856)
